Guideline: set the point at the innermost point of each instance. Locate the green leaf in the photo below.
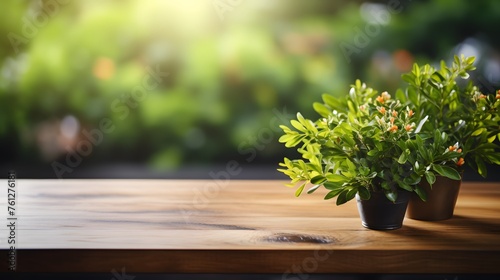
(331, 101)
(478, 131)
(446, 171)
(333, 193)
(294, 141)
(313, 188)
(315, 166)
(321, 109)
(456, 60)
(413, 179)
(364, 171)
(417, 166)
(342, 198)
(333, 185)
(481, 167)
(310, 126)
(437, 138)
(350, 165)
(435, 85)
(430, 177)
(348, 174)
(424, 152)
(298, 125)
(416, 69)
(400, 95)
(317, 180)
(421, 124)
(364, 193)
(391, 195)
(493, 158)
(350, 105)
(302, 165)
(299, 190)
(335, 178)
(284, 138)
(300, 118)
(288, 172)
(385, 186)
(287, 137)
(348, 139)
(421, 193)
(282, 170)
(285, 128)
(409, 78)
(470, 60)
(351, 194)
(487, 146)
(438, 77)
(403, 158)
(405, 186)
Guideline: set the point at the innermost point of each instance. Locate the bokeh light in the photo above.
(193, 83)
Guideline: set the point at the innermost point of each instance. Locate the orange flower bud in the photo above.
(482, 96)
(382, 110)
(392, 120)
(459, 150)
(394, 113)
(393, 128)
(460, 162)
(451, 148)
(380, 99)
(408, 127)
(410, 113)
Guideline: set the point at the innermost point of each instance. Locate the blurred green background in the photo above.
(126, 88)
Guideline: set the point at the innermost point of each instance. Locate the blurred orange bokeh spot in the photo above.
(104, 68)
(403, 60)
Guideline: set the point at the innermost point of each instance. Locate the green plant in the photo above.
(364, 143)
(467, 116)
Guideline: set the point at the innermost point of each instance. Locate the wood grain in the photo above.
(175, 226)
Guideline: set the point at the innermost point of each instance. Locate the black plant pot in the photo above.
(380, 213)
(441, 200)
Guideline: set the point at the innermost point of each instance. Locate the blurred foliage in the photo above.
(231, 66)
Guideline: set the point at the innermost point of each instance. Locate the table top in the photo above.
(235, 226)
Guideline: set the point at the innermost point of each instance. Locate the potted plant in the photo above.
(367, 146)
(469, 118)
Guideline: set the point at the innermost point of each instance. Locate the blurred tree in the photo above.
(167, 83)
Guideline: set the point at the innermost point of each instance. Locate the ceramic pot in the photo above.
(380, 213)
(441, 200)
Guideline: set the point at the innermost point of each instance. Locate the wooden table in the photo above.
(196, 226)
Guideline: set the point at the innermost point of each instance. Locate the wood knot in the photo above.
(298, 238)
